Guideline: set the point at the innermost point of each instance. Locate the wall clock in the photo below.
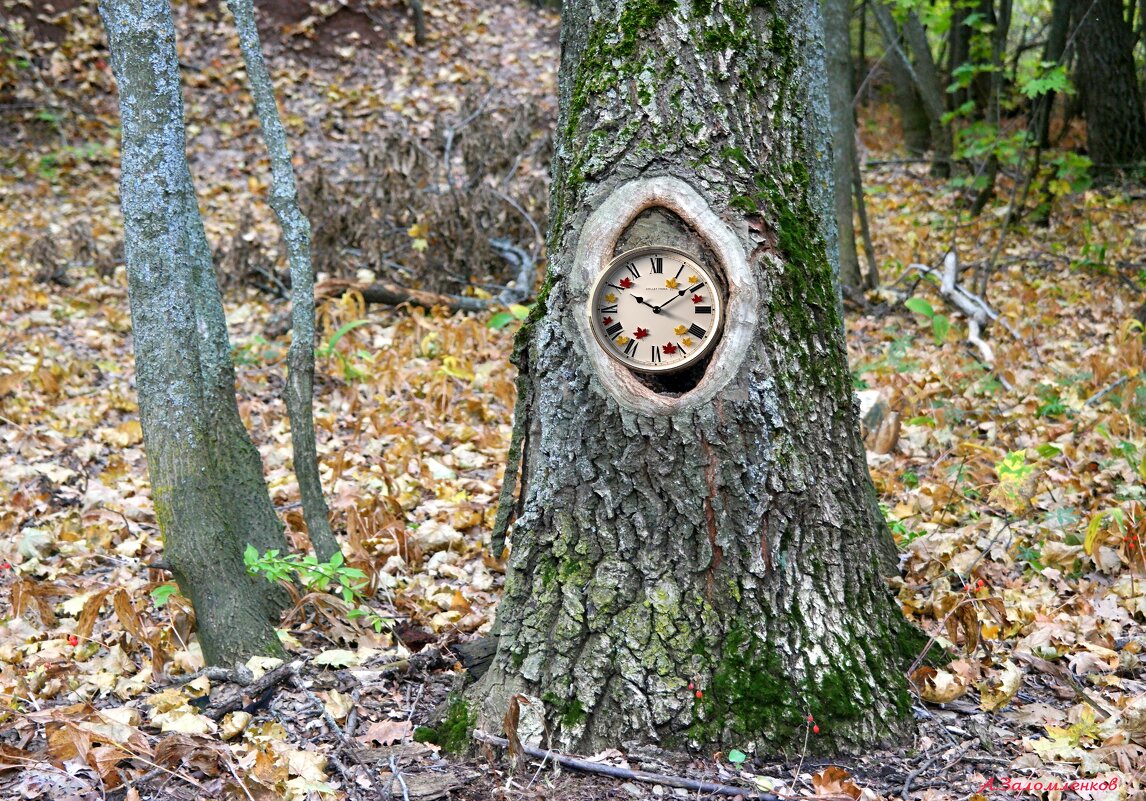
(656, 310)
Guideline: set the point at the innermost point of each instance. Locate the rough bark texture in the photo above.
(733, 542)
(171, 316)
(1112, 96)
(296, 236)
(838, 41)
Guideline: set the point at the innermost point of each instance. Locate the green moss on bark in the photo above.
(454, 733)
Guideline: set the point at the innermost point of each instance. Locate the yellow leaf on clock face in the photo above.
(692, 279)
(687, 342)
(680, 329)
(610, 298)
(622, 340)
(670, 283)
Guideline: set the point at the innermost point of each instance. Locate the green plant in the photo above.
(940, 325)
(516, 313)
(315, 576)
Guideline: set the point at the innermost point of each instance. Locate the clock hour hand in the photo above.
(638, 299)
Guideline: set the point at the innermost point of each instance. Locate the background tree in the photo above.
(296, 237)
(837, 39)
(729, 538)
(206, 477)
(1111, 93)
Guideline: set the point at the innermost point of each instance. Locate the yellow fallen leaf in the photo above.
(997, 690)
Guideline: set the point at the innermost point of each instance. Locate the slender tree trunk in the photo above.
(722, 533)
(837, 39)
(1112, 96)
(296, 236)
(1001, 22)
(163, 251)
(1053, 53)
(958, 54)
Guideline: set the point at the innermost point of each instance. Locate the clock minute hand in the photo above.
(679, 294)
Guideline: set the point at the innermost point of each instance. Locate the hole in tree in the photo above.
(659, 226)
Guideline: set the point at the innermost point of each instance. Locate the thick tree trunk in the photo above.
(296, 237)
(725, 536)
(837, 40)
(1112, 96)
(169, 320)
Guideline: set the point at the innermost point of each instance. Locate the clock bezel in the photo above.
(709, 342)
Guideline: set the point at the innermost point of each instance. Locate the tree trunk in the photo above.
(912, 114)
(697, 562)
(296, 237)
(172, 314)
(1112, 96)
(924, 75)
(837, 40)
(1053, 53)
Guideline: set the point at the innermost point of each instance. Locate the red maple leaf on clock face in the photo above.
(669, 349)
(697, 298)
(606, 321)
(626, 282)
(641, 333)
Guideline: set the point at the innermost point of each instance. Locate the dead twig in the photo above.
(695, 785)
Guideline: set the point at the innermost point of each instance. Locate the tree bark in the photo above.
(163, 248)
(296, 236)
(725, 536)
(837, 40)
(1112, 96)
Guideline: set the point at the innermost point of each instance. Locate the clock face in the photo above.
(656, 310)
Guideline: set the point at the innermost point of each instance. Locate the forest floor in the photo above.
(1015, 493)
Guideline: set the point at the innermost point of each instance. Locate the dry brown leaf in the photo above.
(387, 732)
(834, 780)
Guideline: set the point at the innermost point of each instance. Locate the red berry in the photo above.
(816, 729)
(810, 718)
(699, 694)
(73, 640)
(690, 686)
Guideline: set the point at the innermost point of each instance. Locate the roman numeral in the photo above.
(696, 331)
(699, 309)
(658, 264)
(609, 309)
(615, 329)
(633, 271)
(656, 354)
(681, 270)
(631, 348)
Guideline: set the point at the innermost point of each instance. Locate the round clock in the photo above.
(656, 310)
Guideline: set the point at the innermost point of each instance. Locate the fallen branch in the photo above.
(640, 775)
(979, 315)
(392, 294)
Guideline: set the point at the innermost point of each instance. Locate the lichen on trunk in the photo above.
(735, 544)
